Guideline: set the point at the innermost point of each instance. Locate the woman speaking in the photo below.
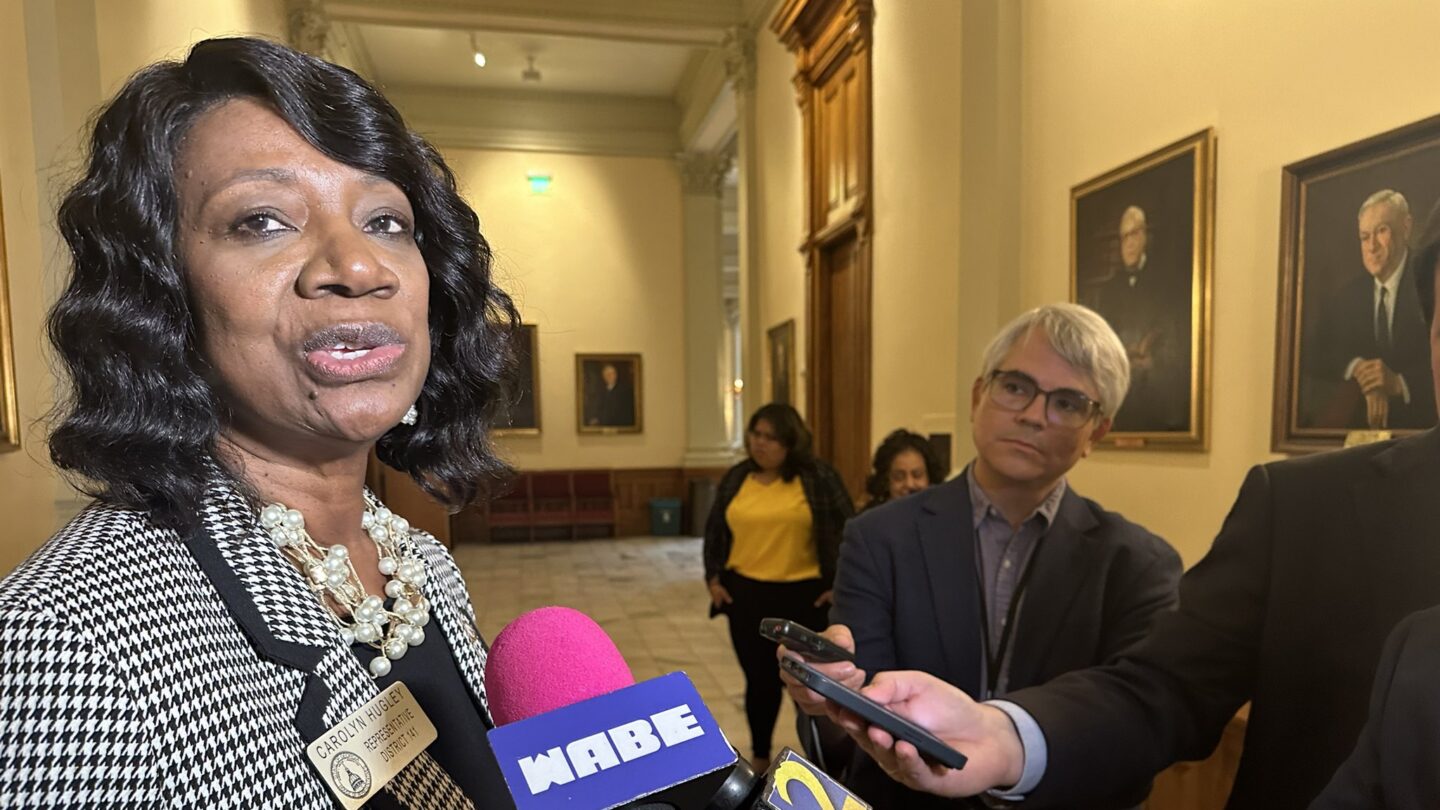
(271, 276)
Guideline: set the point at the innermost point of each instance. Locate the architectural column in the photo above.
(739, 47)
(706, 385)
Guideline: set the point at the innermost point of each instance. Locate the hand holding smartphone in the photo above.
(926, 743)
(804, 642)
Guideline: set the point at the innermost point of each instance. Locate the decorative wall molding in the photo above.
(309, 26)
(694, 22)
(542, 122)
(738, 48)
(704, 172)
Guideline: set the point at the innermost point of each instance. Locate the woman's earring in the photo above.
(411, 416)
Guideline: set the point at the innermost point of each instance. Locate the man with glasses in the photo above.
(1005, 577)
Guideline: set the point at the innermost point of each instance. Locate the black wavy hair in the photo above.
(877, 483)
(139, 423)
(791, 431)
(1427, 256)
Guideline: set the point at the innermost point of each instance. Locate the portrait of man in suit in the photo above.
(1368, 364)
(1141, 242)
(1146, 302)
(608, 401)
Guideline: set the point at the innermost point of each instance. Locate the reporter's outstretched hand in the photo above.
(844, 672)
(984, 734)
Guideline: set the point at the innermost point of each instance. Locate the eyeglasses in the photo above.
(1064, 407)
(760, 435)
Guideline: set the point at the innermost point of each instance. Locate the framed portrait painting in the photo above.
(522, 417)
(9, 393)
(1141, 248)
(780, 342)
(1352, 348)
(608, 393)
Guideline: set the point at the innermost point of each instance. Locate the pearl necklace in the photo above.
(331, 573)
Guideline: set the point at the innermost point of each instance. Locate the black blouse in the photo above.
(460, 747)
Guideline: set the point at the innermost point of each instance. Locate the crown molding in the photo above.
(686, 22)
(541, 122)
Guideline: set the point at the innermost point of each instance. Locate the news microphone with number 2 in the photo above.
(576, 732)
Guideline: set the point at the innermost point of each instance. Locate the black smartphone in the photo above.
(804, 642)
(926, 743)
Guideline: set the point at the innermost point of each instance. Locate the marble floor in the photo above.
(648, 593)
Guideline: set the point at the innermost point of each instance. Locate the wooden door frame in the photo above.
(825, 35)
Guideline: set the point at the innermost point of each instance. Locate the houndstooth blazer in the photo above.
(142, 669)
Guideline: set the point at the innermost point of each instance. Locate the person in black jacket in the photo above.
(1317, 562)
(1393, 765)
(1006, 577)
(771, 542)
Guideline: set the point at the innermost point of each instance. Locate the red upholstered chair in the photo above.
(550, 504)
(509, 512)
(594, 504)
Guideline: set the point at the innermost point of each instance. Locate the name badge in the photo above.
(363, 752)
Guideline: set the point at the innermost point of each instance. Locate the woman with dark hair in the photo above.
(771, 543)
(904, 464)
(271, 276)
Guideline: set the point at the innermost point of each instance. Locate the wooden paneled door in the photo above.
(831, 42)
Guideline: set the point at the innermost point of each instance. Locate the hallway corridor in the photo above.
(648, 594)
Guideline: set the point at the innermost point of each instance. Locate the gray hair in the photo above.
(1081, 337)
(1394, 198)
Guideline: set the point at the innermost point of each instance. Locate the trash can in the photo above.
(702, 500)
(664, 517)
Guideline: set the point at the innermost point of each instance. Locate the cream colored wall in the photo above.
(39, 143)
(779, 227)
(134, 33)
(916, 97)
(26, 481)
(596, 263)
(1107, 80)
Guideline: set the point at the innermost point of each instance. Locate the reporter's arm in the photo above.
(984, 734)
(1110, 729)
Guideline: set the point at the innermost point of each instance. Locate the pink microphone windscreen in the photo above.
(549, 658)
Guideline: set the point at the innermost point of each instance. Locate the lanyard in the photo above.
(995, 659)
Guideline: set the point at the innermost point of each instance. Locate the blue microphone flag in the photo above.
(613, 749)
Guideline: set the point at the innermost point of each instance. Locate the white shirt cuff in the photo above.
(1032, 740)
(1404, 388)
(1350, 368)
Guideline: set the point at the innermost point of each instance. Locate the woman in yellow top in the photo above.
(771, 543)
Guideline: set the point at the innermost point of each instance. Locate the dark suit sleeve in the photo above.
(1150, 586)
(1111, 728)
(865, 600)
(1356, 785)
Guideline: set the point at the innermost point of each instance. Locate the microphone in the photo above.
(575, 731)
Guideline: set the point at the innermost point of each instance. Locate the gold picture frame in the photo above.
(1328, 296)
(780, 351)
(1142, 246)
(609, 407)
(522, 415)
(9, 393)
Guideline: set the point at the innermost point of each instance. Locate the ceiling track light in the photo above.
(479, 54)
(530, 74)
